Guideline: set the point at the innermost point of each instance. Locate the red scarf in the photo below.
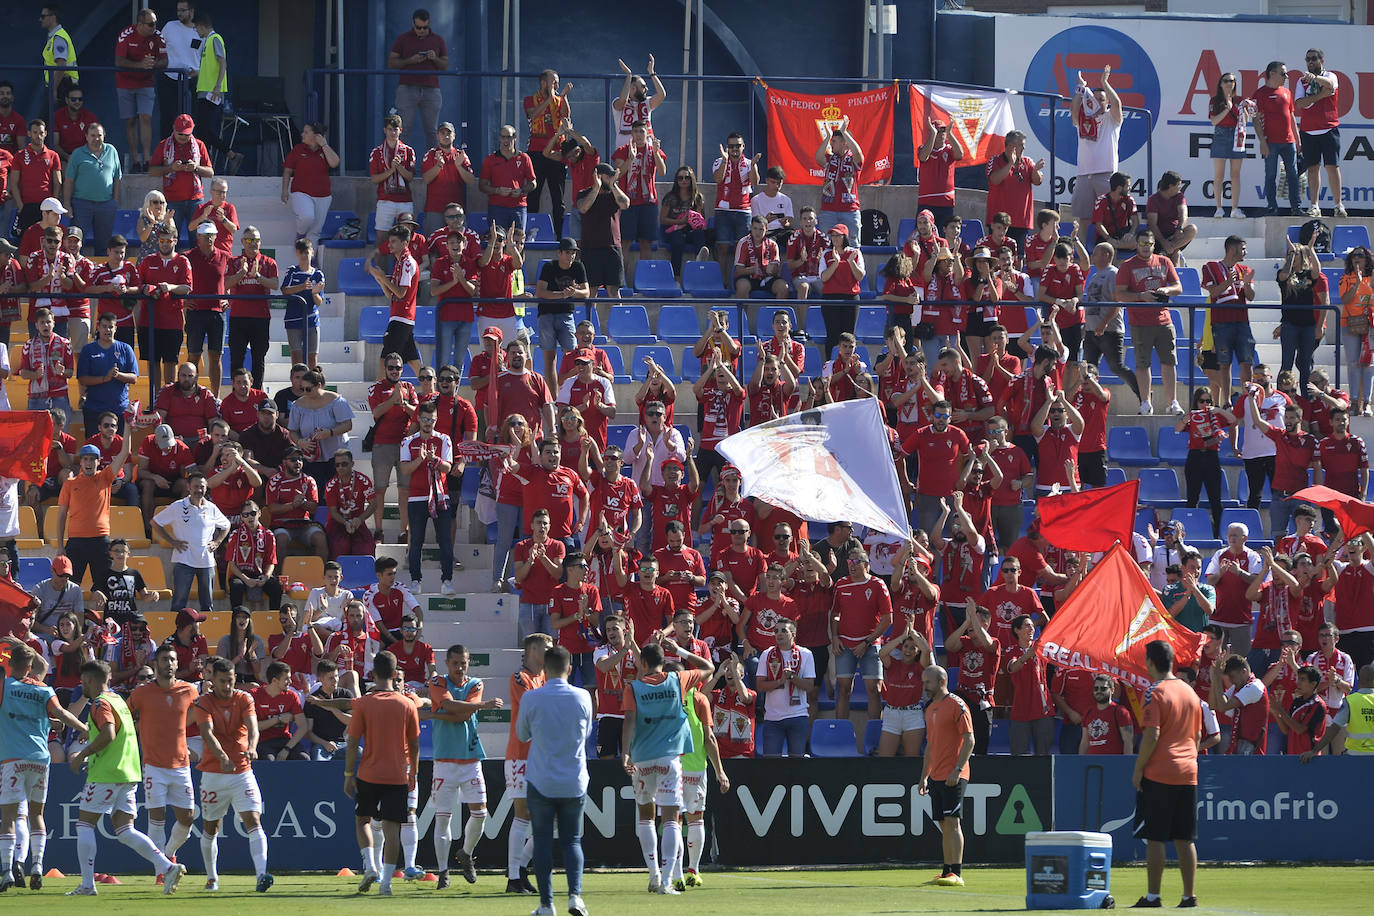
(758, 253)
(733, 192)
(839, 179)
(776, 665)
(810, 252)
(248, 548)
(169, 155)
(638, 182)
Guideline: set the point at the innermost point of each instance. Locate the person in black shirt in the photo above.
(562, 283)
(124, 587)
(287, 396)
(265, 443)
(326, 709)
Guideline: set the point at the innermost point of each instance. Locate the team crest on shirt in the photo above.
(972, 662)
(1097, 729)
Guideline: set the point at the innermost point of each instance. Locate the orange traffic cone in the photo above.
(430, 876)
(346, 873)
(54, 873)
(109, 879)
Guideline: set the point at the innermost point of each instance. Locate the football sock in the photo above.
(257, 847)
(410, 838)
(472, 831)
(648, 844)
(956, 868)
(6, 853)
(378, 842)
(443, 838)
(209, 852)
(696, 842)
(1152, 897)
(138, 841)
(369, 864)
(515, 847)
(85, 852)
(38, 845)
(180, 834)
(157, 832)
(21, 838)
(672, 846)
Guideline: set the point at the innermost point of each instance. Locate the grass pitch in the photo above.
(1230, 890)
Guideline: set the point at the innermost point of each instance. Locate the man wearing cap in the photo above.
(195, 528)
(445, 170)
(78, 310)
(57, 595)
(165, 277)
(584, 337)
(139, 50)
(453, 280)
(265, 442)
(507, 179)
(600, 206)
(182, 162)
(562, 284)
(186, 405)
(191, 648)
(480, 371)
(83, 513)
(593, 395)
(252, 273)
(163, 462)
(205, 317)
(35, 175)
(50, 213)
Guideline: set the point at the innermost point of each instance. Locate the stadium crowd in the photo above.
(639, 556)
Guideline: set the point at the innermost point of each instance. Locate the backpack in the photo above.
(1316, 233)
(874, 228)
(350, 230)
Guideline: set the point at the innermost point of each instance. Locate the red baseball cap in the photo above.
(183, 123)
(494, 333)
(673, 460)
(729, 471)
(189, 615)
(840, 229)
(583, 355)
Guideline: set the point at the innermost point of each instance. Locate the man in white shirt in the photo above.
(1256, 449)
(774, 206)
(194, 527)
(660, 441)
(786, 674)
(183, 53)
(1097, 114)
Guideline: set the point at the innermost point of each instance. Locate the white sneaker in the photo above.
(417, 587)
(1175, 408)
(172, 876)
(1237, 213)
(1146, 408)
(446, 589)
(1340, 210)
(668, 890)
(704, 254)
(654, 885)
(543, 911)
(1314, 210)
(81, 890)
(576, 905)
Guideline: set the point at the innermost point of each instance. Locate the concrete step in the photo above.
(1213, 247)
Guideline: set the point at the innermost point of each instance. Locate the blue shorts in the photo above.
(639, 221)
(1222, 140)
(1233, 342)
(556, 331)
(731, 226)
(846, 665)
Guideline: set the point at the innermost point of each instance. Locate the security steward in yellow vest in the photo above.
(1355, 720)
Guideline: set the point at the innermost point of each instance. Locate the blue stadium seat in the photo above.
(33, 570)
(1192, 287)
(971, 231)
(358, 571)
(872, 731)
(539, 234)
(660, 354)
(684, 431)
(1173, 445)
(372, 323)
(1130, 446)
(906, 227)
(1159, 487)
(1115, 476)
(763, 322)
(870, 325)
(656, 278)
(1197, 524)
(678, 324)
(617, 360)
(833, 738)
(629, 324)
(1293, 233)
(1344, 238)
(425, 330)
(703, 278)
(619, 433)
(1243, 489)
(1143, 517)
(813, 365)
(478, 223)
(334, 220)
(1248, 517)
(733, 320)
(815, 322)
(126, 224)
(354, 280)
(748, 360)
(999, 737)
(691, 366)
(1333, 278)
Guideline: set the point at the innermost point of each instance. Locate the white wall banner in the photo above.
(829, 464)
(1171, 67)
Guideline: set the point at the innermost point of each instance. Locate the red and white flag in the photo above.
(1108, 620)
(980, 118)
(797, 123)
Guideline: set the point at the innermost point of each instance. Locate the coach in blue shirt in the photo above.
(105, 369)
(557, 720)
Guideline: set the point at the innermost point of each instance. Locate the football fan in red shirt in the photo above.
(941, 451)
(574, 614)
(648, 605)
(1108, 727)
(538, 564)
(414, 657)
(681, 569)
(904, 721)
(761, 613)
(742, 563)
(163, 461)
(1115, 217)
(861, 613)
(292, 498)
(1303, 721)
(673, 499)
(297, 646)
(281, 717)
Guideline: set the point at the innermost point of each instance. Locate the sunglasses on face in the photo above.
(248, 514)
(426, 378)
(739, 530)
(393, 368)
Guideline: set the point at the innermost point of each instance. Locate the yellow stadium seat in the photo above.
(215, 628)
(127, 522)
(266, 624)
(309, 571)
(217, 593)
(161, 624)
(154, 576)
(50, 525)
(28, 530)
(16, 389)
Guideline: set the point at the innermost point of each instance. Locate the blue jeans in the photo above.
(937, 342)
(1281, 511)
(96, 220)
(1271, 174)
(543, 812)
(182, 576)
(790, 732)
(443, 529)
(680, 240)
(507, 527)
(1297, 343)
(534, 618)
(1360, 379)
(505, 217)
(182, 211)
(63, 404)
(451, 343)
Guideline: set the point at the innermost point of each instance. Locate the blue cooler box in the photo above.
(1068, 870)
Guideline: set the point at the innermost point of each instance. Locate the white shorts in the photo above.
(694, 792)
(457, 783)
(515, 778)
(659, 782)
(109, 797)
(219, 790)
(23, 781)
(163, 787)
(897, 721)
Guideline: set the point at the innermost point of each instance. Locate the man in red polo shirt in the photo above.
(445, 171)
(1343, 460)
(393, 403)
(942, 451)
(240, 406)
(139, 51)
(182, 162)
(35, 175)
(205, 317)
(281, 716)
(1115, 217)
(186, 405)
(648, 605)
(939, 154)
(507, 178)
(252, 273)
(1295, 453)
(165, 277)
(860, 614)
(163, 461)
(1277, 128)
(1011, 181)
(681, 568)
(1150, 279)
(672, 499)
(538, 564)
(742, 563)
(593, 395)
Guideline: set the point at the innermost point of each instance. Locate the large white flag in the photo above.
(833, 463)
(980, 118)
